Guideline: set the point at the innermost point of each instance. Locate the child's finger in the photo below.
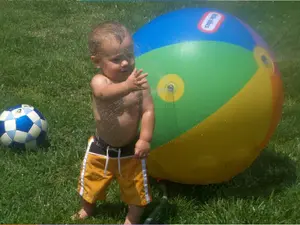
(142, 76)
(136, 153)
(134, 72)
(141, 82)
(139, 155)
(138, 74)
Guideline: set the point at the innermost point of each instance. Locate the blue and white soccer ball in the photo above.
(22, 126)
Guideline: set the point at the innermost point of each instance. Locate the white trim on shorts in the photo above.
(84, 166)
(145, 178)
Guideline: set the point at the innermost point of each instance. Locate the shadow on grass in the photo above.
(271, 173)
(110, 210)
(16, 149)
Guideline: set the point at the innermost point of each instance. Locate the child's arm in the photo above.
(143, 146)
(108, 92)
(148, 116)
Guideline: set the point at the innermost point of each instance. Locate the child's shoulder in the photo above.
(99, 79)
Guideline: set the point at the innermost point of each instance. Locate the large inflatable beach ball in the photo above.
(22, 127)
(217, 93)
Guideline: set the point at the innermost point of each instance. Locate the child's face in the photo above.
(117, 60)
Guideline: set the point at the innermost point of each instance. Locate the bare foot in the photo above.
(81, 215)
(86, 211)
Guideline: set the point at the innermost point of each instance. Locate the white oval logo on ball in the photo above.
(210, 22)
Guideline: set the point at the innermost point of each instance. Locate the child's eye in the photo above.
(116, 60)
(130, 55)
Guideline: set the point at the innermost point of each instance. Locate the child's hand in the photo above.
(136, 80)
(142, 149)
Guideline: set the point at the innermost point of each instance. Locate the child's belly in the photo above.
(118, 130)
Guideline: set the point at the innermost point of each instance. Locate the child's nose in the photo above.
(124, 63)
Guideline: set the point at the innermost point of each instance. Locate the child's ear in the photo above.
(95, 61)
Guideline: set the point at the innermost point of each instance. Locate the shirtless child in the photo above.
(121, 103)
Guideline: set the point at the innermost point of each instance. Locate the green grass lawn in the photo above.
(44, 62)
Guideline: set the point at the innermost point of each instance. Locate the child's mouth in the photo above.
(126, 70)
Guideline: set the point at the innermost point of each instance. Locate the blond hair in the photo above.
(103, 32)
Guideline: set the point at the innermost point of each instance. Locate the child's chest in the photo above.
(130, 103)
(132, 100)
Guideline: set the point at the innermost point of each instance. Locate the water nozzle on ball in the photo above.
(170, 87)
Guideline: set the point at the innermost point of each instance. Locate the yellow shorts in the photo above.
(103, 163)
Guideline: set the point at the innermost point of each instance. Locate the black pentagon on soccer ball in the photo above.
(17, 145)
(2, 128)
(41, 138)
(40, 114)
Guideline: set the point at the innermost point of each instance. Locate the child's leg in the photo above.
(134, 187)
(134, 214)
(93, 180)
